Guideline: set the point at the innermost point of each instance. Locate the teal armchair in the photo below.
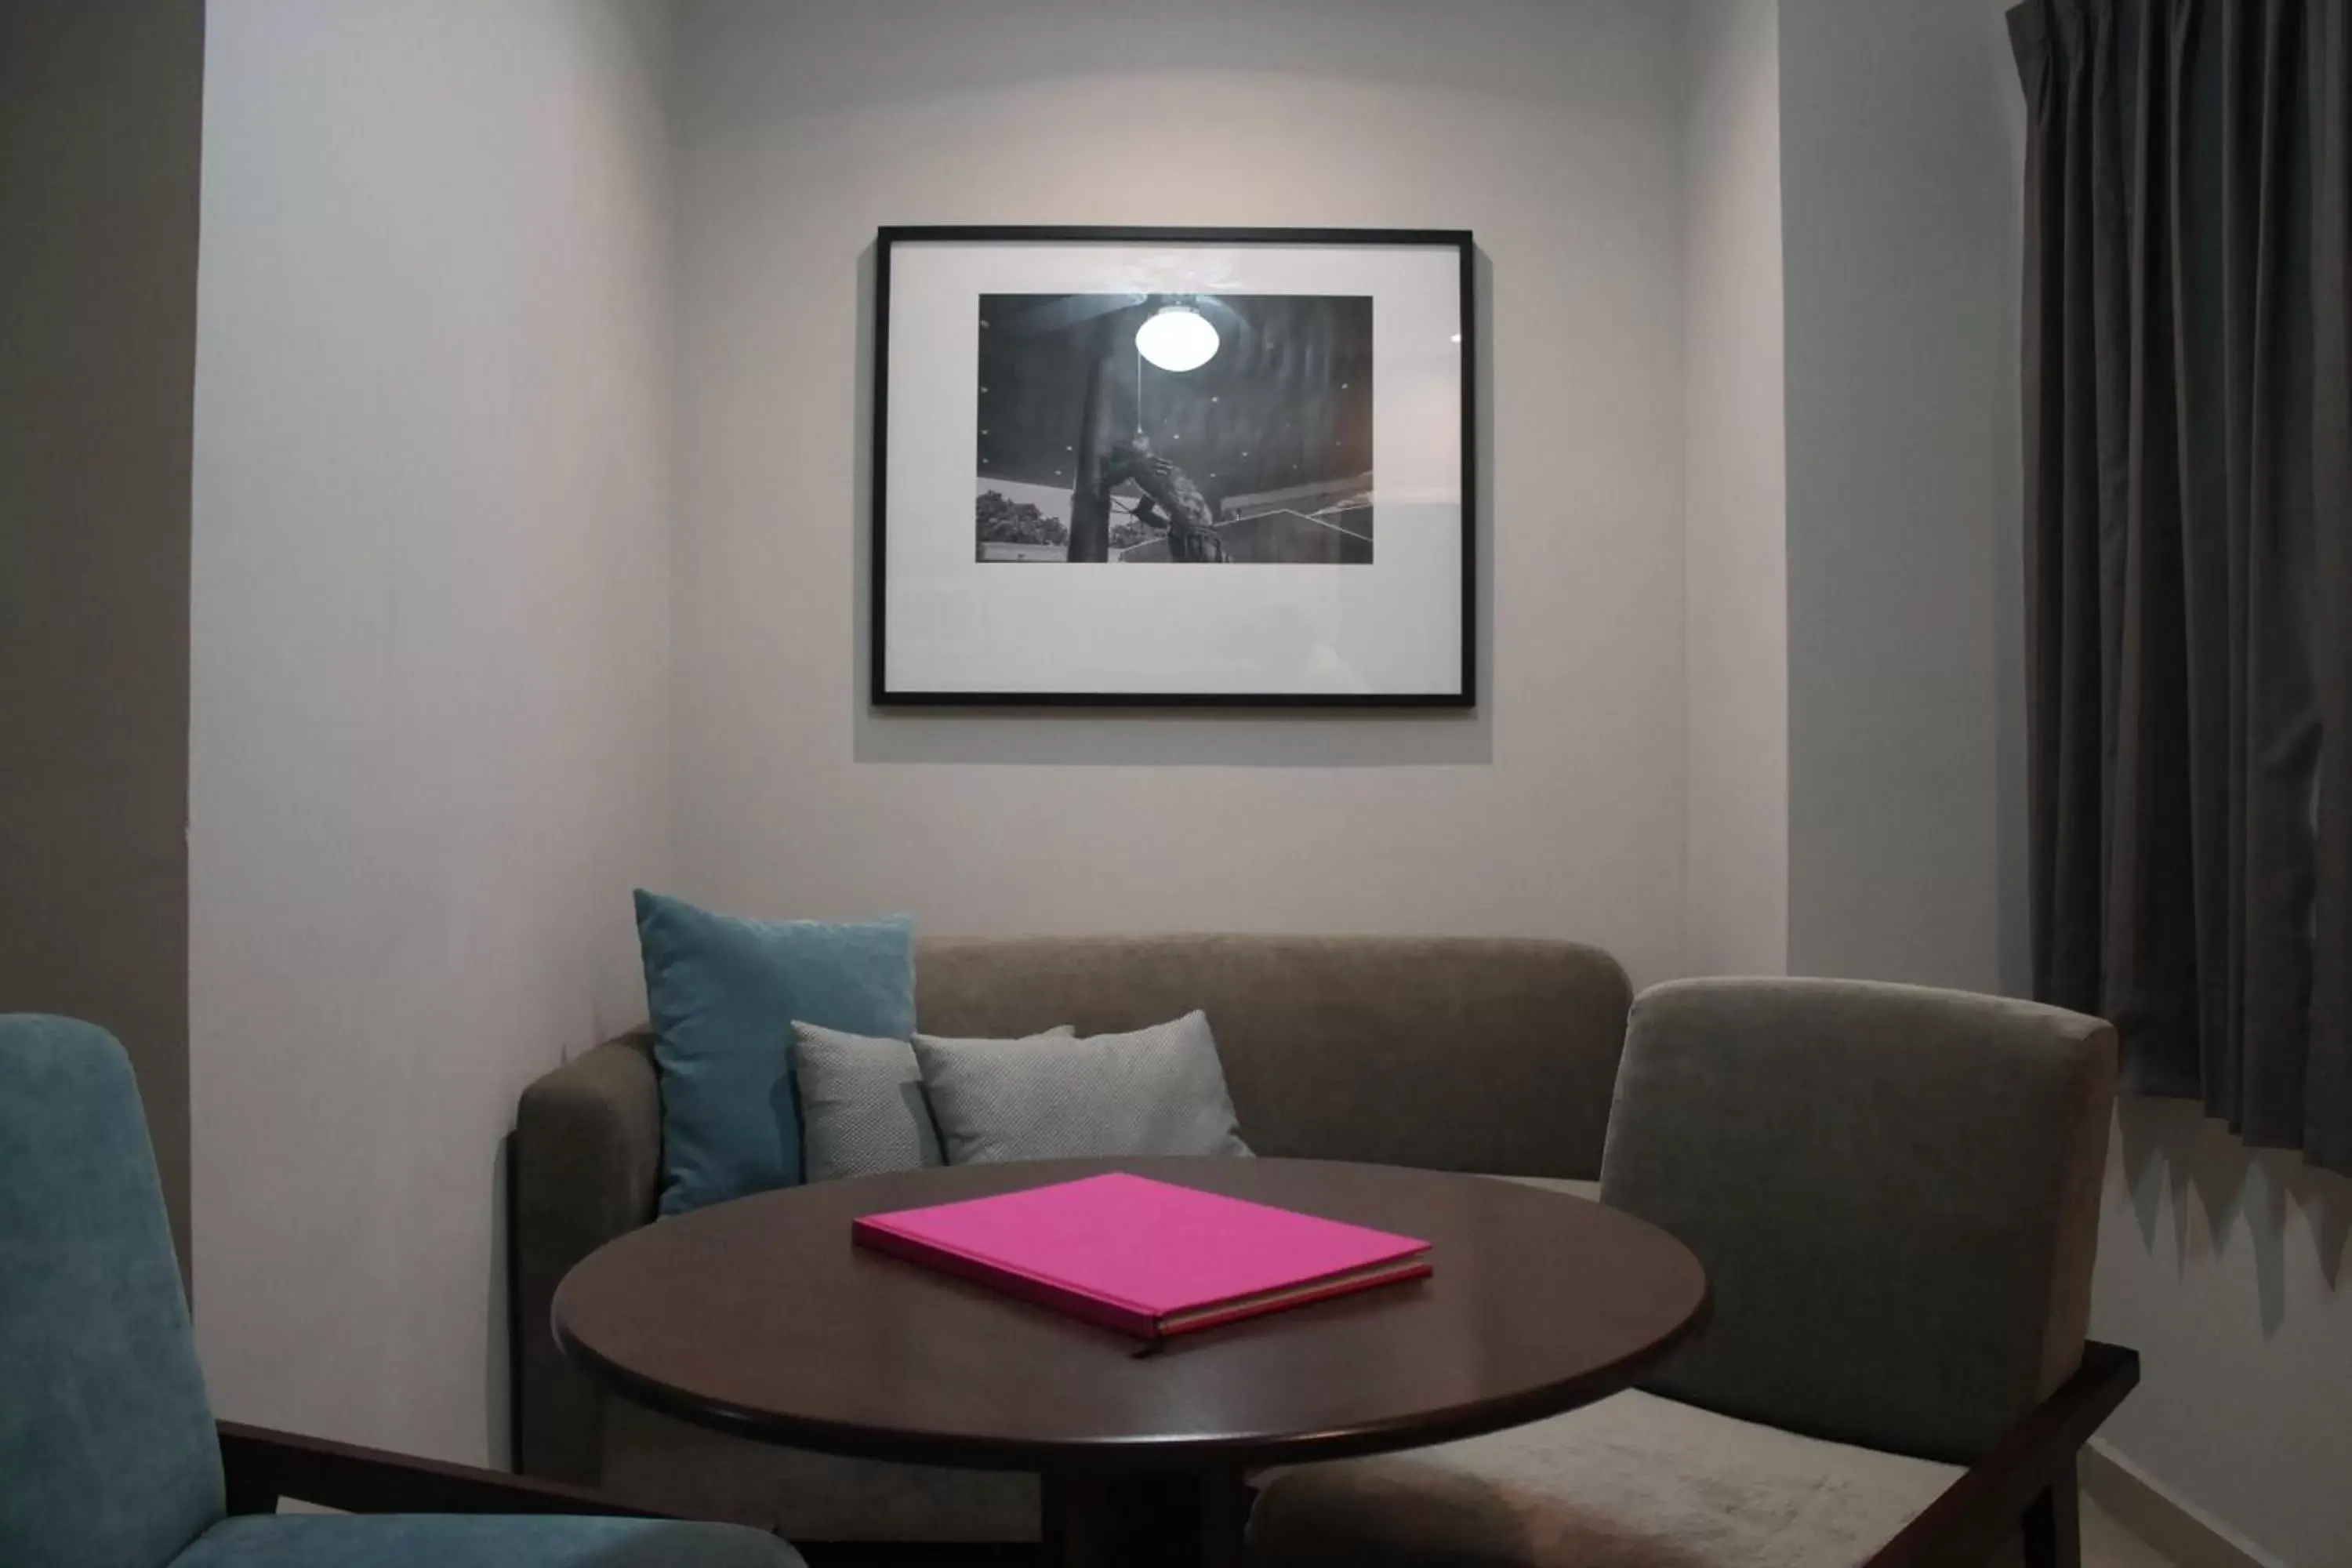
(110, 1455)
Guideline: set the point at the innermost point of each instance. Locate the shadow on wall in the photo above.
(1327, 738)
(2172, 1145)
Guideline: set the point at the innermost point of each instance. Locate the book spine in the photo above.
(1283, 1304)
(1013, 1282)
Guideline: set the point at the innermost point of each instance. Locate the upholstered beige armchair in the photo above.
(1894, 1192)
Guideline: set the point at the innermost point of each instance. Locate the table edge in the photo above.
(981, 1452)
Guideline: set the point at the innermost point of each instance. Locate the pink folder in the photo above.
(1145, 1257)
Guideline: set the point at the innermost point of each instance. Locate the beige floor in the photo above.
(2107, 1544)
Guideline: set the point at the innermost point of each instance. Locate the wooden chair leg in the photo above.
(2053, 1525)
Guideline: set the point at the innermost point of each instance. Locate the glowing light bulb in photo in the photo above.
(1177, 338)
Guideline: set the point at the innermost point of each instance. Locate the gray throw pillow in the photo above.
(1159, 1090)
(862, 1109)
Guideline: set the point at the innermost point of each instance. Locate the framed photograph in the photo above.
(1173, 465)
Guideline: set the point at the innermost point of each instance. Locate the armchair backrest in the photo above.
(108, 1453)
(1894, 1192)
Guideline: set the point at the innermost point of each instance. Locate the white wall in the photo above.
(432, 708)
(1550, 130)
(1735, 495)
(2228, 1272)
(1896, 203)
(429, 650)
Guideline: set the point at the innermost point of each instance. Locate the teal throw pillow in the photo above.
(724, 992)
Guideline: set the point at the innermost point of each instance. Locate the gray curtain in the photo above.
(2189, 498)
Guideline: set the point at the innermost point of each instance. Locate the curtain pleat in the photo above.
(2186, 437)
(2328, 1087)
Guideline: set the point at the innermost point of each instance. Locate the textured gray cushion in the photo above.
(1894, 1192)
(862, 1109)
(1154, 1091)
(1635, 1481)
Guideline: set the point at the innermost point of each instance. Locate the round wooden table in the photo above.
(759, 1317)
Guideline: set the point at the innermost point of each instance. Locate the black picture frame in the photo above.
(882, 695)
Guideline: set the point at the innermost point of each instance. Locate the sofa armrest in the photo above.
(586, 1167)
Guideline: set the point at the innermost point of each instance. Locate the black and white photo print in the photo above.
(1202, 429)
(1053, 406)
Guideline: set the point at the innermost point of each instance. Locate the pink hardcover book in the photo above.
(1145, 1257)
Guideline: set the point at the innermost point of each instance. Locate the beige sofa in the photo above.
(1450, 1054)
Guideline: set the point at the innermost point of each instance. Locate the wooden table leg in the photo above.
(1186, 1520)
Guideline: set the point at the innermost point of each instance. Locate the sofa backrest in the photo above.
(1455, 1054)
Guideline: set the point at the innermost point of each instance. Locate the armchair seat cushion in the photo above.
(1589, 1191)
(475, 1541)
(1634, 1482)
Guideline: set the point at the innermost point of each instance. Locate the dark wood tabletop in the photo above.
(759, 1317)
